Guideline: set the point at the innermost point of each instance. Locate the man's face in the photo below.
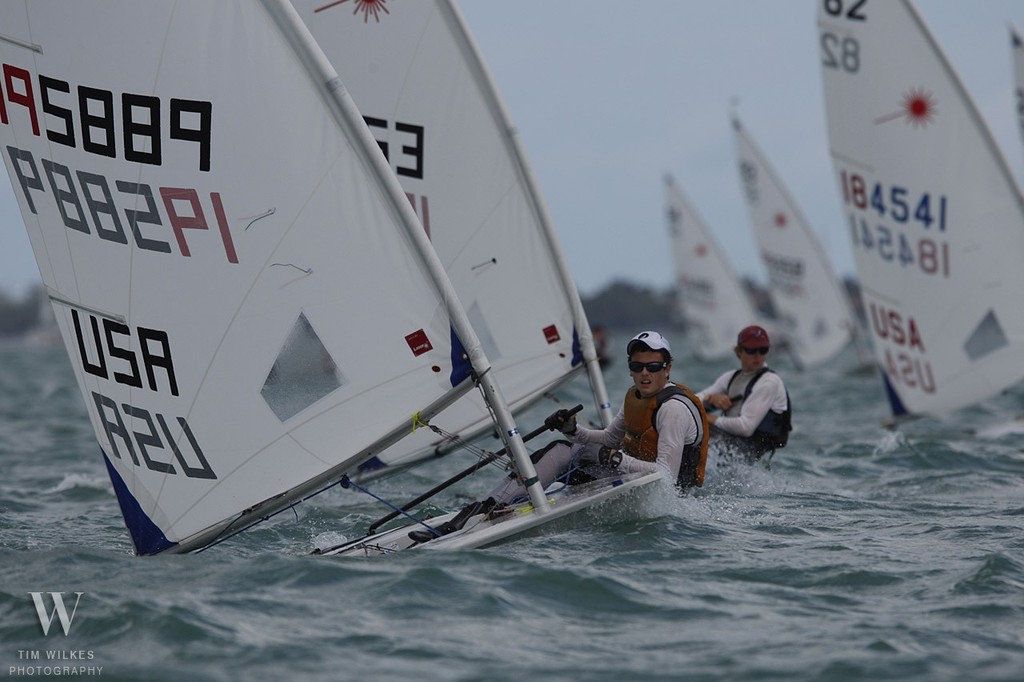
(648, 383)
(752, 359)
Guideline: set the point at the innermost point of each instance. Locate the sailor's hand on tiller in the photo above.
(609, 457)
(561, 420)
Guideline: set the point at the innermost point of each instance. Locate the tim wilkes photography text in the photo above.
(55, 608)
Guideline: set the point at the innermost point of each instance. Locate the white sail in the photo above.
(247, 299)
(814, 311)
(427, 97)
(713, 301)
(932, 210)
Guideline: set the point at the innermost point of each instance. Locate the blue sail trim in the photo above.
(146, 536)
(577, 352)
(898, 409)
(461, 367)
(372, 464)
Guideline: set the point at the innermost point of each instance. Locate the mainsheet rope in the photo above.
(346, 482)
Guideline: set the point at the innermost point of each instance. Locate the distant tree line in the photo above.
(620, 305)
(625, 305)
(18, 316)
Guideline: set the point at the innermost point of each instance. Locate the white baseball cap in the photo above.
(652, 340)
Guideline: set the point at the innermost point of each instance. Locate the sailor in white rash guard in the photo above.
(660, 427)
(756, 413)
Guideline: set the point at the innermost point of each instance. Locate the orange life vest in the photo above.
(641, 438)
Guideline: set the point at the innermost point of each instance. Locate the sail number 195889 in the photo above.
(145, 121)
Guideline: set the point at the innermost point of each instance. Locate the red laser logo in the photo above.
(918, 108)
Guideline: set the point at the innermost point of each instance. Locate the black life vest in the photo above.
(773, 431)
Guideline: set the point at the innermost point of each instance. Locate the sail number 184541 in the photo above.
(897, 209)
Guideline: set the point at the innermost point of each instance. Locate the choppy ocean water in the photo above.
(862, 554)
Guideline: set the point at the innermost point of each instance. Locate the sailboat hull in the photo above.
(487, 529)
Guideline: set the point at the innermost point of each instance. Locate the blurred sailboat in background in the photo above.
(814, 311)
(934, 214)
(713, 301)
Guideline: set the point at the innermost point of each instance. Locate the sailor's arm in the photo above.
(755, 407)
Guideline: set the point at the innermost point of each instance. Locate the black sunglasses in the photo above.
(754, 351)
(652, 367)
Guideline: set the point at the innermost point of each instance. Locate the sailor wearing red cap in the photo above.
(756, 413)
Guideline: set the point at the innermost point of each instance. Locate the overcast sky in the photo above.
(609, 95)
